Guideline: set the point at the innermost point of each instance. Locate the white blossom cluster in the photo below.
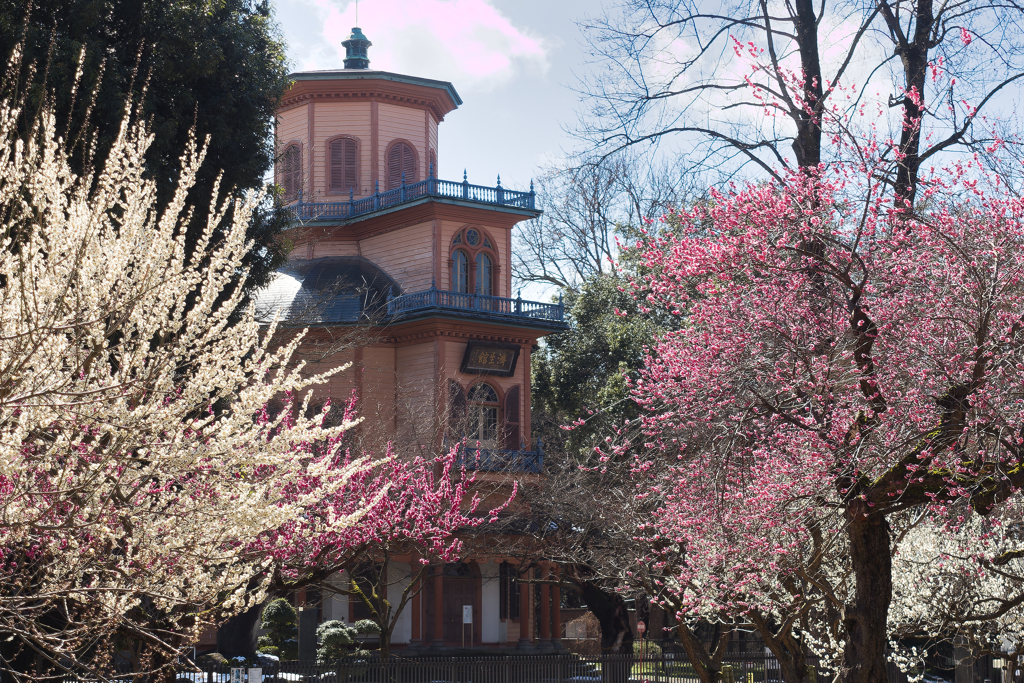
(959, 577)
(134, 466)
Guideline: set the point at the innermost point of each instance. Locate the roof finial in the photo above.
(355, 49)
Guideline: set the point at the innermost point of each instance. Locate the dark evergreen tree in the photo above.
(580, 374)
(215, 66)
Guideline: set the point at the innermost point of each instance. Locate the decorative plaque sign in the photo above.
(490, 358)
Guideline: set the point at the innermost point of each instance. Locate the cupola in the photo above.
(355, 50)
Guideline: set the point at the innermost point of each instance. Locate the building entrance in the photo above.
(460, 585)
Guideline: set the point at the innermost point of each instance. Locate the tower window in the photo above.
(460, 272)
(343, 166)
(484, 281)
(473, 262)
(483, 415)
(291, 172)
(401, 160)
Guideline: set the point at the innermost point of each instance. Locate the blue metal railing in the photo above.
(501, 460)
(459, 301)
(431, 187)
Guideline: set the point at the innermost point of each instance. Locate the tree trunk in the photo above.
(238, 634)
(787, 649)
(914, 56)
(792, 661)
(807, 144)
(866, 619)
(616, 633)
(707, 665)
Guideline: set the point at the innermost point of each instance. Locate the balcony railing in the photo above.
(431, 187)
(500, 460)
(494, 305)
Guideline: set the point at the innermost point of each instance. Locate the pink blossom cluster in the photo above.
(834, 359)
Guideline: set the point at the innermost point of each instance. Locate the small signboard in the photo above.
(641, 627)
(467, 614)
(255, 675)
(490, 358)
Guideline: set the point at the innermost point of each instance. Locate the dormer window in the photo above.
(291, 172)
(401, 160)
(343, 165)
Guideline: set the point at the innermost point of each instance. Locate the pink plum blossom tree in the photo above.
(838, 366)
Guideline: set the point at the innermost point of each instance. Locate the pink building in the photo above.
(418, 268)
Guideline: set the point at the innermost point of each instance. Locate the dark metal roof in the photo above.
(340, 289)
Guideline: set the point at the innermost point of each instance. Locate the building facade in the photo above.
(407, 277)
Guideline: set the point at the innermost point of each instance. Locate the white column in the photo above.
(398, 579)
(490, 606)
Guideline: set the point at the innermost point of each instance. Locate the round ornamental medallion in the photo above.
(472, 237)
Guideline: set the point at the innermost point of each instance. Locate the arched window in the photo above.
(484, 280)
(512, 434)
(474, 262)
(401, 160)
(343, 166)
(483, 416)
(291, 172)
(460, 272)
(433, 163)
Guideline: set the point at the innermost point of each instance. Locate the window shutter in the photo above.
(350, 181)
(513, 439)
(395, 166)
(338, 166)
(409, 164)
(292, 173)
(401, 159)
(456, 409)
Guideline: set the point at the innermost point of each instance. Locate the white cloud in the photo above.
(468, 42)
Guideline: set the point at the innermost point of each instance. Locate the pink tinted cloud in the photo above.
(468, 42)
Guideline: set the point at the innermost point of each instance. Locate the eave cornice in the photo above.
(438, 97)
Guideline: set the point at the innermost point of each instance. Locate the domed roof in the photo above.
(324, 291)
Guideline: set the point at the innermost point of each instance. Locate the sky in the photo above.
(513, 62)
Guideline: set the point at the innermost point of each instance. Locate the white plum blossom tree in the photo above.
(959, 579)
(135, 466)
